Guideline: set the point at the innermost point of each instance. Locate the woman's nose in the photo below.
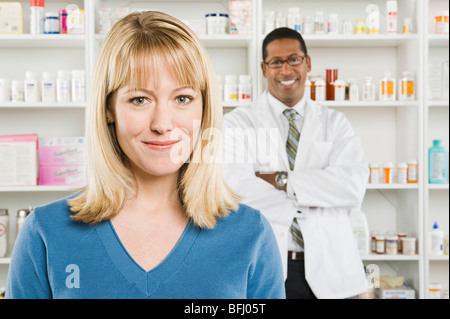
(161, 121)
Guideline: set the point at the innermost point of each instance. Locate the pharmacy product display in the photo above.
(391, 243)
(66, 86)
(6, 228)
(384, 173)
(330, 23)
(68, 20)
(438, 80)
(27, 161)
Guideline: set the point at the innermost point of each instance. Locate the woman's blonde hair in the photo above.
(134, 42)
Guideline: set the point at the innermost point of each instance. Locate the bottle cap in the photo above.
(436, 142)
(37, 3)
(3, 212)
(435, 226)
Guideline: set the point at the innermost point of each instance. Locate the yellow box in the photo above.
(11, 18)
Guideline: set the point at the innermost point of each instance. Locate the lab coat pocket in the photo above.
(318, 154)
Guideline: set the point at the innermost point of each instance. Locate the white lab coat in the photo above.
(329, 177)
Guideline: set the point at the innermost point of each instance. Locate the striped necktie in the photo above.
(291, 150)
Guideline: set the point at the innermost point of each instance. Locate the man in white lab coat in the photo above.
(306, 165)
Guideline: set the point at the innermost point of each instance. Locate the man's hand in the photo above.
(269, 178)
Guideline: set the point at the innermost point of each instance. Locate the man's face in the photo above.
(286, 84)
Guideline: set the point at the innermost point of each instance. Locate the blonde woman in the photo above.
(156, 219)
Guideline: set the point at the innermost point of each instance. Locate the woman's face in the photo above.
(157, 126)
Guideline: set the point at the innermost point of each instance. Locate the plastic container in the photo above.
(391, 245)
(437, 240)
(31, 87)
(78, 86)
(294, 19)
(387, 87)
(387, 173)
(319, 23)
(375, 173)
(358, 220)
(331, 76)
(217, 23)
(339, 90)
(437, 163)
(269, 21)
(347, 27)
(5, 90)
(4, 229)
(353, 91)
(244, 88)
(380, 245)
(434, 290)
(37, 17)
(446, 245)
(51, 23)
(413, 172)
(441, 22)
(407, 87)
(360, 27)
(48, 87)
(402, 173)
(407, 26)
(391, 9)
(63, 21)
(373, 242)
(230, 88)
(307, 93)
(320, 89)
(409, 246)
(373, 19)
(368, 90)
(63, 86)
(21, 216)
(400, 243)
(17, 91)
(333, 23)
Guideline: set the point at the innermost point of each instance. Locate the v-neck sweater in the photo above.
(57, 257)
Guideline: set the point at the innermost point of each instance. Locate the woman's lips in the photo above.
(161, 145)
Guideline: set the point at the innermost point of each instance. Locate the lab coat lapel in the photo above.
(312, 125)
(276, 141)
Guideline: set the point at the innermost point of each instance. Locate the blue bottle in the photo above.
(437, 163)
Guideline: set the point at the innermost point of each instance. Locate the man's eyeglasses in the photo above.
(294, 60)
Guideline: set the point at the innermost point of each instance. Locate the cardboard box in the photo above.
(241, 17)
(11, 19)
(70, 175)
(56, 151)
(19, 160)
(403, 292)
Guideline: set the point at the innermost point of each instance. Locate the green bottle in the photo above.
(437, 163)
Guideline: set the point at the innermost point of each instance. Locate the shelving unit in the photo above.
(390, 131)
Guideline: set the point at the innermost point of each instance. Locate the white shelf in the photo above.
(438, 258)
(393, 186)
(437, 103)
(370, 104)
(5, 261)
(438, 186)
(41, 105)
(438, 40)
(389, 257)
(42, 41)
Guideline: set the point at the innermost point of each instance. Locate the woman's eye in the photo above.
(139, 100)
(182, 99)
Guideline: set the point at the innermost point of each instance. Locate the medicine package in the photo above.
(11, 17)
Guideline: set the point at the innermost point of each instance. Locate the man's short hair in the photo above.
(283, 33)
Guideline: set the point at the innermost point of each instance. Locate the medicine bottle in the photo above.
(368, 90)
(48, 87)
(280, 20)
(339, 90)
(380, 243)
(244, 88)
(230, 88)
(402, 173)
(391, 245)
(307, 93)
(319, 23)
(412, 171)
(5, 90)
(409, 246)
(360, 27)
(374, 235)
(406, 92)
(387, 87)
(320, 89)
(63, 86)
(434, 290)
(294, 19)
(347, 27)
(269, 21)
(354, 91)
(375, 173)
(78, 86)
(51, 23)
(31, 87)
(330, 77)
(308, 25)
(17, 91)
(4, 227)
(441, 21)
(104, 20)
(37, 16)
(333, 23)
(407, 26)
(21, 215)
(391, 9)
(400, 241)
(387, 173)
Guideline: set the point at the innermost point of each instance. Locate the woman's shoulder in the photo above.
(246, 219)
